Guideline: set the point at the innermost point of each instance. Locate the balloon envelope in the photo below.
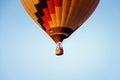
(59, 18)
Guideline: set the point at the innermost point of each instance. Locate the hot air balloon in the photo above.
(59, 18)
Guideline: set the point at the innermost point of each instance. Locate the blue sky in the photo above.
(91, 53)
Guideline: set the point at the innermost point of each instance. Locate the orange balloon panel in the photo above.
(59, 18)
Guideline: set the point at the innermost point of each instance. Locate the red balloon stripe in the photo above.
(58, 3)
(51, 6)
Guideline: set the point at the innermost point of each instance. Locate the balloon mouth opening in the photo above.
(58, 34)
(59, 49)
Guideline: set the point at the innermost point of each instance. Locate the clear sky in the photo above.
(91, 53)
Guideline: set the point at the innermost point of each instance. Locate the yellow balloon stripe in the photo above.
(65, 9)
(58, 11)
